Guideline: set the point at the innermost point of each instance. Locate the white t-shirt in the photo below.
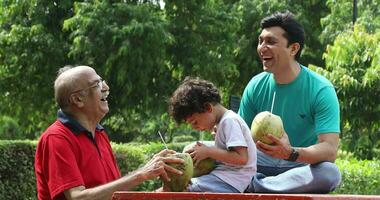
(232, 131)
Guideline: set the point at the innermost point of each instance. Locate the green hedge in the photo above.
(359, 177)
(17, 169)
(17, 179)
(130, 156)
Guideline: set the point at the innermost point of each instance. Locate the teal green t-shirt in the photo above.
(308, 106)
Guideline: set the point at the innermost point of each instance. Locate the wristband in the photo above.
(293, 155)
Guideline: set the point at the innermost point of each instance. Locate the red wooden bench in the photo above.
(233, 196)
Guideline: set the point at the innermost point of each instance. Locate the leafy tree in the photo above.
(353, 65)
(9, 128)
(358, 56)
(31, 47)
(339, 19)
(310, 19)
(144, 50)
(128, 48)
(204, 41)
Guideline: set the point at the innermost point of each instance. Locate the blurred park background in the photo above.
(144, 48)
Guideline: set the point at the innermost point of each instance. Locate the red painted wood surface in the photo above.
(234, 196)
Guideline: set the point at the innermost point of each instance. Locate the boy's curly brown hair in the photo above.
(192, 96)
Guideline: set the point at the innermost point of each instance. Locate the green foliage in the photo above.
(340, 17)
(144, 51)
(352, 64)
(32, 45)
(127, 48)
(359, 177)
(204, 41)
(337, 21)
(147, 131)
(129, 157)
(183, 138)
(305, 13)
(134, 45)
(16, 170)
(9, 129)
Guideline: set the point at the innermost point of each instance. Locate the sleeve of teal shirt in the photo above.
(327, 116)
(246, 109)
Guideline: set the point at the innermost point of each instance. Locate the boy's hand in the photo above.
(200, 152)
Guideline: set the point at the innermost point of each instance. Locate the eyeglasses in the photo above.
(99, 83)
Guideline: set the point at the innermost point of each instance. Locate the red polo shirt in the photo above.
(68, 156)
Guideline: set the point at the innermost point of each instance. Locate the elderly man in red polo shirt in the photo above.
(74, 158)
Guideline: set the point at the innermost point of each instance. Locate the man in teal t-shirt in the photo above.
(302, 160)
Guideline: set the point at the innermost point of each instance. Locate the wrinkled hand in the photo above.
(158, 166)
(280, 148)
(199, 152)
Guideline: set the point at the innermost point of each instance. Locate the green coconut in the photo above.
(205, 166)
(266, 123)
(178, 183)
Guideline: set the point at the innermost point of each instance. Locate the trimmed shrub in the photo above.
(17, 180)
(183, 138)
(131, 156)
(359, 177)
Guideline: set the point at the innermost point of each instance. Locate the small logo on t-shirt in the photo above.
(302, 116)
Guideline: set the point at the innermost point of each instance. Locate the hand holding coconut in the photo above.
(175, 182)
(159, 166)
(266, 123)
(280, 148)
(201, 167)
(269, 134)
(199, 152)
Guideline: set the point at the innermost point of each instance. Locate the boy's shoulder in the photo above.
(230, 117)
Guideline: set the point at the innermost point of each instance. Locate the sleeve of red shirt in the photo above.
(59, 165)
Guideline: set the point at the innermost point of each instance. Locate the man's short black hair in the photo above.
(294, 32)
(192, 96)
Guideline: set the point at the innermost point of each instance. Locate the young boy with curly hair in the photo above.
(198, 103)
